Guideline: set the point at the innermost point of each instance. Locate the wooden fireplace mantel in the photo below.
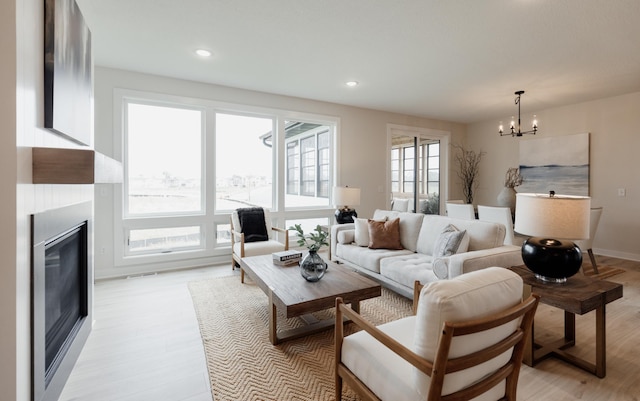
(74, 166)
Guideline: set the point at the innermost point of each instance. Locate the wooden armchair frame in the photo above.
(442, 364)
(237, 236)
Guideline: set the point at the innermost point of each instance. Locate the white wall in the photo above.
(21, 122)
(614, 150)
(362, 144)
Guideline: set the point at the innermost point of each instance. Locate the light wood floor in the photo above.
(145, 345)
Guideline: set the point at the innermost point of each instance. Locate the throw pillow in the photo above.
(440, 268)
(448, 241)
(361, 235)
(384, 234)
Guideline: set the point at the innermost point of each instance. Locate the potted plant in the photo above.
(312, 267)
(468, 168)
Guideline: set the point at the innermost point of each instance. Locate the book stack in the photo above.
(287, 258)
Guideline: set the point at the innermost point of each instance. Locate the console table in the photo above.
(579, 295)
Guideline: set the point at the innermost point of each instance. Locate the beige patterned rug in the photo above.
(244, 365)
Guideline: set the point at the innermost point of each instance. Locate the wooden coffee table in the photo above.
(579, 295)
(290, 293)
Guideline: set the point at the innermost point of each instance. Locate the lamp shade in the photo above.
(557, 216)
(346, 196)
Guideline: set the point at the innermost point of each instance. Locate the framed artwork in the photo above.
(559, 164)
(68, 82)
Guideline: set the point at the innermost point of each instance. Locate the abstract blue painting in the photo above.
(559, 164)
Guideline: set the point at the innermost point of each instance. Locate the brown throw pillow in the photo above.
(384, 234)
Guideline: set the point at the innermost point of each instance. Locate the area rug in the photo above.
(244, 365)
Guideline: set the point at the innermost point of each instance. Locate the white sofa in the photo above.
(398, 269)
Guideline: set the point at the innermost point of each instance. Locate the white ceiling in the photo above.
(456, 60)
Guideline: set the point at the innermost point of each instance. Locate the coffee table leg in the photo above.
(355, 305)
(273, 321)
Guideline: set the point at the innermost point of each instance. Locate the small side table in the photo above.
(578, 295)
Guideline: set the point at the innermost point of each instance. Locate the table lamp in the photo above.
(342, 198)
(551, 220)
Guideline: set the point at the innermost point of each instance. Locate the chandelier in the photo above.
(515, 131)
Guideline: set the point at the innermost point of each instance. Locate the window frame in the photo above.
(212, 248)
(444, 137)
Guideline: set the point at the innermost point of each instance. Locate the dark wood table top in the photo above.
(579, 294)
(296, 296)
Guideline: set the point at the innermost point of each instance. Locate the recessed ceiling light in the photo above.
(203, 53)
(352, 83)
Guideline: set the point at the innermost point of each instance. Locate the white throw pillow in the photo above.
(361, 236)
(440, 268)
(450, 241)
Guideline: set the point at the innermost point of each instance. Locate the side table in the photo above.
(578, 295)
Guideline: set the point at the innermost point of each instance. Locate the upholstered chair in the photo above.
(466, 340)
(242, 246)
(461, 211)
(501, 215)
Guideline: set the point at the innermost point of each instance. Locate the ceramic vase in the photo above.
(507, 198)
(312, 267)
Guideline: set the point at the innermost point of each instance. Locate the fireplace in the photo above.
(61, 295)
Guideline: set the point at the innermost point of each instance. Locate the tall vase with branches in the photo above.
(468, 162)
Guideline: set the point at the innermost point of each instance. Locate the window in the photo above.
(163, 160)
(190, 162)
(415, 167)
(163, 176)
(244, 161)
(308, 164)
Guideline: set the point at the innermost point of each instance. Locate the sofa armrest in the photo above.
(335, 229)
(502, 256)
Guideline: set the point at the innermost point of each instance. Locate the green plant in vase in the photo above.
(312, 266)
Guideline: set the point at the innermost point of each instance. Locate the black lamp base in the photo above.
(551, 260)
(344, 216)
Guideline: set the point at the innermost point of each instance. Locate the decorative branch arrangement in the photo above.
(313, 241)
(468, 167)
(513, 178)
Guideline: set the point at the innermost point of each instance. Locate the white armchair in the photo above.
(241, 248)
(422, 358)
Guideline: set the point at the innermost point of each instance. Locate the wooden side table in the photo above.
(578, 295)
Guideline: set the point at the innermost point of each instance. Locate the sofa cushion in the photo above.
(366, 258)
(405, 269)
(410, 224)
(384, 234)
(482, 234)
(450, 241)
(468, 296)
